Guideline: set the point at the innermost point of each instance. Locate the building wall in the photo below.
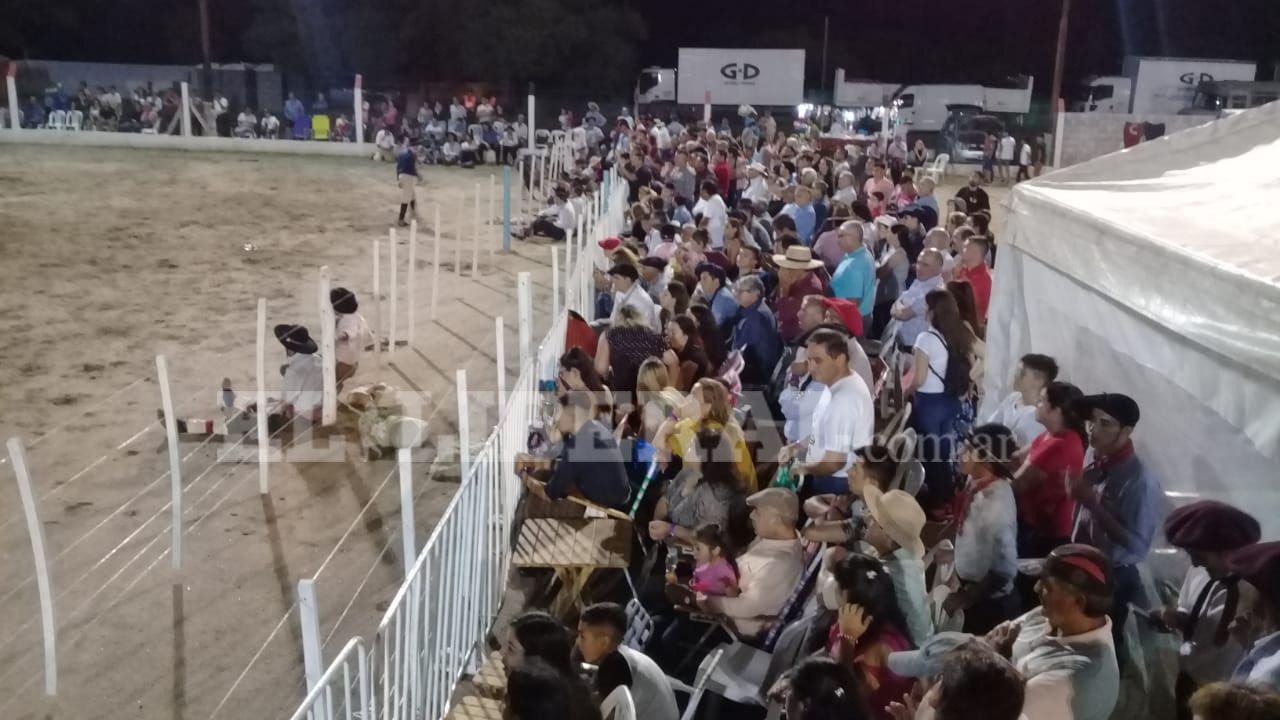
(177, 142)
(1089, 135)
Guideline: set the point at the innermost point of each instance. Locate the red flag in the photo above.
(1132, 134)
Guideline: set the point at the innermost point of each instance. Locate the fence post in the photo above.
(377, 308)
(500, 353)
(524, 303)
(35, 529)
(532, 124)
(186, 110)
(175, 459)
(358, 111)
(1059, 129)
(407, 531)
(12, 84)
(568, 274)
(475, 236)
(435, 266)
(489, 220)
(464, 427)
(555, 282)
(312, 661)
(506, 207)
(264, 438)
(328, 366)
(393, 270)
(413, 278)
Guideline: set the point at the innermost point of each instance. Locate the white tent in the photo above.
(1155, 272)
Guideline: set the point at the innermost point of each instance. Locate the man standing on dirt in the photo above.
(407, 179)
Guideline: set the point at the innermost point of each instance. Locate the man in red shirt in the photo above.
(724, 173)
(973, 270)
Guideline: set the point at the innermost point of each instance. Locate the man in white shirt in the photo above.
(1064, 647)
(843, 421)
(1004, 154)
(714, 210)
(1018, 410)
(757, 189)
(628, 291)
(909, 308)
(556, 221)
(384, 145)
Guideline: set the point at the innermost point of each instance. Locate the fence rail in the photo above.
(429, 636)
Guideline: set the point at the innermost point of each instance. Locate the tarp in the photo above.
(1155, 271)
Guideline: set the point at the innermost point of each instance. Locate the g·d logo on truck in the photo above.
(739, 72)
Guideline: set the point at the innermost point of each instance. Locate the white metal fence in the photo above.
(439, 618)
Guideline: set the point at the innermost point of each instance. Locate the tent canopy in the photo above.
(1155, 271)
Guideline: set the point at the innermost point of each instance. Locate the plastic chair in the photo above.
(913, 478)
(57, 120)
(903, 445)
(938, 169)
(320, 127)
(618, 705)
(75, 120)
(302, 128)
(700, 680)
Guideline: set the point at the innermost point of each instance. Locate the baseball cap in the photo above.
(1121, 407)
(1084, 567)
(610, 243)
(927, 661)
(781, 500)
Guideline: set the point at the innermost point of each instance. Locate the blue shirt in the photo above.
(591, 463)
(913, 298)
(1262, 665)
(723, 306)
(907, 572)
(406, 163)
(681, 215)
(1131, 494)
(755, 333)
(806, 220)
(855, 279)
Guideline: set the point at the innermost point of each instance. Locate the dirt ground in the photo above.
(112, 256)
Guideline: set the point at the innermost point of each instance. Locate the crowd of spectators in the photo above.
(902, 555)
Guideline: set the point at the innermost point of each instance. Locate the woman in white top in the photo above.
(351, 335)
(936, 407)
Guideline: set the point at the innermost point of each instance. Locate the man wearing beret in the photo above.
(1258, 622)
(1117, 498)
(1210, 532)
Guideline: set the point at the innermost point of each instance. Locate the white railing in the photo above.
(440, 616)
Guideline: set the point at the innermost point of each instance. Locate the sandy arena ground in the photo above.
(111, 256)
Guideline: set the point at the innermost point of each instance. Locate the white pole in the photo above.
(358, 111)
(524, 302)
(435, 266)
(568, 273)
(393, 270)
(175, 459)
(500, 351)
(413, 277)
(186, 110)
(706, 108)
(492, 219)
(464, 427)
(377, 309)
(408, 535)
(328, 358)
(264, 439)
(1059, 139)
(35, 529)
(475, 235)
(531, 126)
(555, 281)
(532, 173)
(12, 83)
(312, 661)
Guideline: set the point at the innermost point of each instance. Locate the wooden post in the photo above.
(500, 352)
(464, 427)
(475, 236)
(555, 282)
(175, 461)
(393, 270)
(407, 533)
(377, 309)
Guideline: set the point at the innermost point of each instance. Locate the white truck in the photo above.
(727, 77)
(923, 108)
(1158, 85)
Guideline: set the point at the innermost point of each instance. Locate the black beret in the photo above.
(1260, 565)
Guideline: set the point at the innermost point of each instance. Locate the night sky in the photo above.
(908, 41)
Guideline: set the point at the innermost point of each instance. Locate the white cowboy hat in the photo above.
(798, 257)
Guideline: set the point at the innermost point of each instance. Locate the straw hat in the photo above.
(798, 257)
(899, 514)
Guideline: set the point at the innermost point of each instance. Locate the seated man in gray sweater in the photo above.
(600, 632)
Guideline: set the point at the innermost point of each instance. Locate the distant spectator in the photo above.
(295, 113)
(755, 332)
(1044, 506)
(973, 270)
(1258, 621)
(974, 197)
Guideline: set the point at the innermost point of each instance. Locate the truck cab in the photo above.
(1108, 94)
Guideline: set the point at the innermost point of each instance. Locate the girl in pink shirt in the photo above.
(714, 573)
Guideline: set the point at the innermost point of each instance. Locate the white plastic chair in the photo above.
(938, 169)
(913, 479)
(618, 705)
(695, 693)
(57, 120)
(75, 120)
(639, 625)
